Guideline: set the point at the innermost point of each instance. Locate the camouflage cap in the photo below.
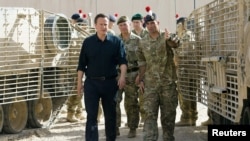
(151, 17)
(122, 19)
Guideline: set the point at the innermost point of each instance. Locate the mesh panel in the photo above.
(209, 69)
(39, 52)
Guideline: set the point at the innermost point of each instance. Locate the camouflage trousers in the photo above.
(131, 105)
(188, 108)
(164, 97)
(188, 104)
(74, 104)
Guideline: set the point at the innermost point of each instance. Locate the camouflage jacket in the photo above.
(157, 55)
(142, 34)
(131, 46)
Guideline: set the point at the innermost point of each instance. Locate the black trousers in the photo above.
(93, 91)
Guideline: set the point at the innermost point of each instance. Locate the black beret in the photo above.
(150, 18)
(180, 20)
(137, 17)
(112, 18)
(75, 16)
(122, 19)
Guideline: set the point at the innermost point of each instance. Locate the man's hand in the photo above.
(141, 86)
(79, 89)
(79, 82)
(172, 39)
(167, 34)
(121, 82)
(137, 80)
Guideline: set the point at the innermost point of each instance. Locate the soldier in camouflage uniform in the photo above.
(138, 29)
(131, 42)
(112, 20)
(157, 74)
(188, 107)
(137, 22)
(74, 103)
(188, 104)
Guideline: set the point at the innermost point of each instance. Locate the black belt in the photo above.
(102, 78)
(132, 70)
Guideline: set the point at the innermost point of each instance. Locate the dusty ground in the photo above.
(64, 131)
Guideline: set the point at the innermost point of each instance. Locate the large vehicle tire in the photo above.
(40, 112)
(1, 118)
(57, 33)
(246, 116)
(15, 117)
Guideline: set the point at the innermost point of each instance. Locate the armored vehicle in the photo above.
(219, 55)
(38, 57)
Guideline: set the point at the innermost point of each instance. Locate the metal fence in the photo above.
(211, 67)
(39, 53)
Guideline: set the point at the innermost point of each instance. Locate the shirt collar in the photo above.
(108, 37)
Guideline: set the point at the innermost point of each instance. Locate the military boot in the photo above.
(71, 118)
(79, 116)
(186, 122)
(207, 122)
(132, 133)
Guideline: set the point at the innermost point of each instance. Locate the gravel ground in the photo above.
(64, 131)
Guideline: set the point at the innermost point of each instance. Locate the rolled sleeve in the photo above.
(122, 54)
(82, 61)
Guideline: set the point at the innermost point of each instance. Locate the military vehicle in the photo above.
(219, 55)
(38, 58)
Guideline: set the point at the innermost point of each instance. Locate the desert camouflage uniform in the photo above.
(74, 105)
(142, 34)
(131, 95)
(74, 102)
(186, 70)
(160, 87)
(140, 94)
